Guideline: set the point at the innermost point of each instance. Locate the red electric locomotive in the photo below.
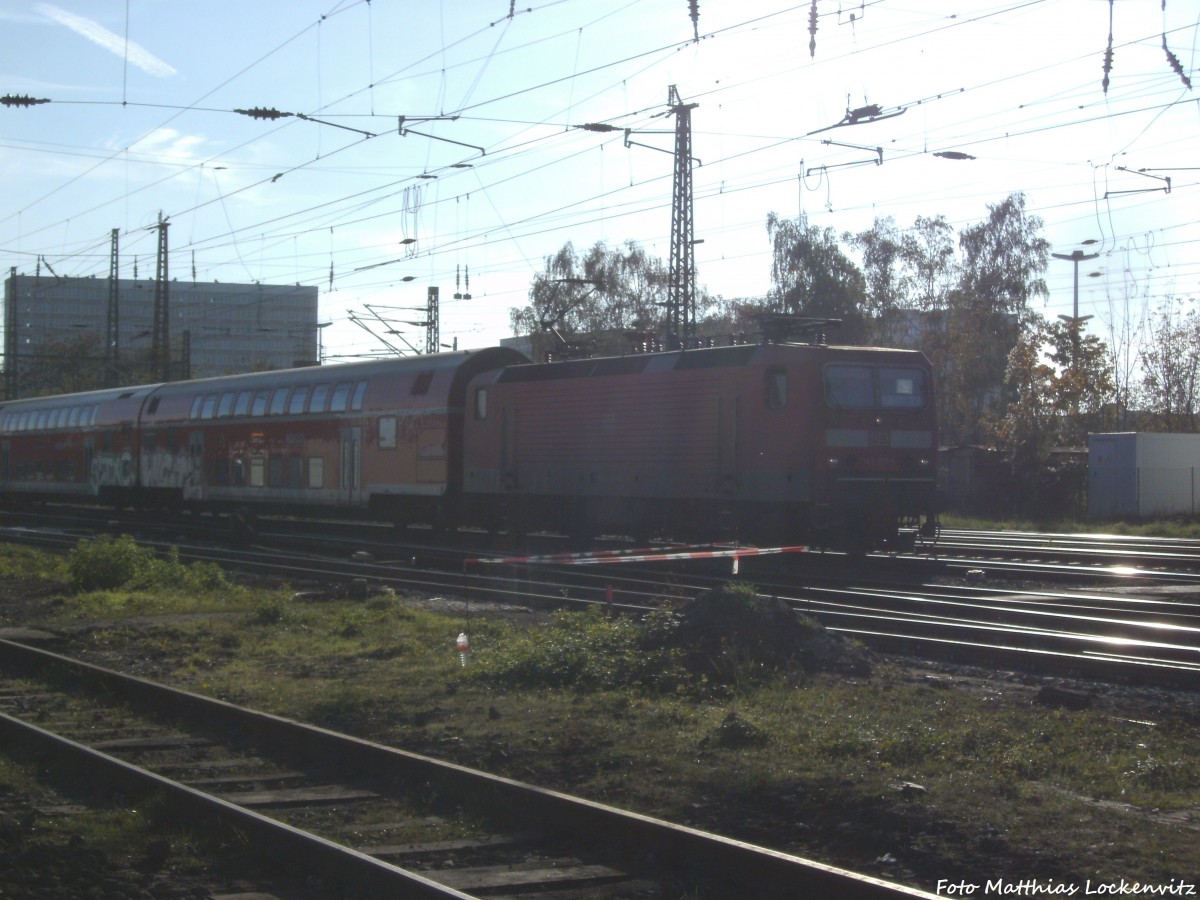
(772, 443)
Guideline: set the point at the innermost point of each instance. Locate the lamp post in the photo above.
(1076, 257)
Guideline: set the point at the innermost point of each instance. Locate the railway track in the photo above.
(368, 819)
(1144, 630)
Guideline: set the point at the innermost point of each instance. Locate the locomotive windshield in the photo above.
(875, 387)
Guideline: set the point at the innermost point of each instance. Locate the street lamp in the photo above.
(1076, 257)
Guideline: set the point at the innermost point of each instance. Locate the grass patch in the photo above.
(736, 735)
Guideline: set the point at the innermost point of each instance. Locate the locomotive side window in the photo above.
(481, 395)
(341, 394)
(297, 405)
(356, 402)
(387, 432)
(279, 401)
(901, 388)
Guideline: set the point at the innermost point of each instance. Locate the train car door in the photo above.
(351, 465)
(193, 482)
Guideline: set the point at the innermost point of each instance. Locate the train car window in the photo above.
(356, 402)
(901, 388)
(196, 404)
(73, 417)
(52, 421)
(481, 397)
(172, 440)
(295, 471)
(221, 472)
(257, 469)
(279, 401)
(95, 415)
(43, 416)
(316, 471)
(849, 387)
(237, 472)
(296, 407)
(275, 470)
(149, 441)
(319, 394)
(153, 408)
(422, 382)
(777, 387)
(260, 403)
(226, 407)
(341, 393)
(387, 432)
(106, 440)
(23, 422)
(210, 406)
(243, 403)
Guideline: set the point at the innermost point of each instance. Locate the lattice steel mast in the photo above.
(681, 288)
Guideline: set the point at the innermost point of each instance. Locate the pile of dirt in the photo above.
(731, 631)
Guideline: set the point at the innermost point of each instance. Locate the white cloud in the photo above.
(114, 43)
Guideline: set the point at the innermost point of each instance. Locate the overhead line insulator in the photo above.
(21, 100)
(260, 112)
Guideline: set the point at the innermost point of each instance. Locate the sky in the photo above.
(441, 143)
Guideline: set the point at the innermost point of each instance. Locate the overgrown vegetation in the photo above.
(712, 721)
(106, 562)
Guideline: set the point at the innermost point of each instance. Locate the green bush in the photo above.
(106, 563)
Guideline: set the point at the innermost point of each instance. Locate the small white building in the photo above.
(1143, 475)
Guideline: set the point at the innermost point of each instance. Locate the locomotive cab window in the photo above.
(870, 387)
(777, 387)
(849, 387)
(901, 388)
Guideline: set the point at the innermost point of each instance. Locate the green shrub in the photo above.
(106, 563)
